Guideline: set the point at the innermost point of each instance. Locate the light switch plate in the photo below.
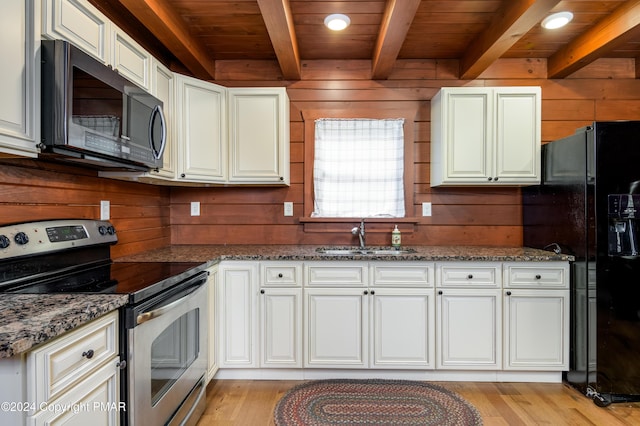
(288, 208)
(105, 210)
(195, 208)
(426, 209)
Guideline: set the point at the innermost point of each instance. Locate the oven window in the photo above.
(172, 352)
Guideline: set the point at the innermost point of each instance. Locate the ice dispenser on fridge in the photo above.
(624, 221)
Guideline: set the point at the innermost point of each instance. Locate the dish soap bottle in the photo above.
(396, 237)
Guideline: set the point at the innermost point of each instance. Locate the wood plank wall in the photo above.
(605, 90)
(149, 216)
(34, 190)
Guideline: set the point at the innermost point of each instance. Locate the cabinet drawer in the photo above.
(57, 366)
(325, 274)
(469, 274)
(402, 274)
(536, 275)
(281, 274)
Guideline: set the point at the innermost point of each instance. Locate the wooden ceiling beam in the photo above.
(615, 28)
(279, 21)
(166, 25)
(393, 31)
(505, 29)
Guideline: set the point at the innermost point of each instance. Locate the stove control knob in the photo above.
(4, 241)
(111, 230)
(21, 238)
(102, 230)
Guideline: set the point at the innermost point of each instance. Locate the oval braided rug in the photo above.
(373, 402)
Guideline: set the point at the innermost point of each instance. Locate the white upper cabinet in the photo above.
(130, 59)
(163, 88)
(80, 23)
(486, 136)
(258, 135)
(19, 79)
(202, 131)
(215, 135)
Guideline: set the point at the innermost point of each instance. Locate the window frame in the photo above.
(320, 224)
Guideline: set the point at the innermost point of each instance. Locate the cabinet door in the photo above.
(19, 107)
(281, 327)
(469, 329)
(130, 59)
(202, 133)
(259, 135)
(486, 136)
(403, 328)
(463, 136)
(212, 285)
(517, 135)
(56, 367)
(238, 307)
(162, 87)
(94, 401)
(80, 23)
(536, 330)
(336, 331)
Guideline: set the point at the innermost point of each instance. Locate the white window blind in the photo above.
(358, 168)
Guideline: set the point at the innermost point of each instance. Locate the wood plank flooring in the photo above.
(251, 402)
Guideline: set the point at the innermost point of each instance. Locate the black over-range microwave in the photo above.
(93, 116)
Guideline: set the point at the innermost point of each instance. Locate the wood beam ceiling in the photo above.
(506, 28)
(615, 28)
(393, 30)
(279, 21)
(165, 24)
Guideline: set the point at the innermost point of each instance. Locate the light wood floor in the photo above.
(251, 402)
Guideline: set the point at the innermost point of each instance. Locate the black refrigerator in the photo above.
(588, 205)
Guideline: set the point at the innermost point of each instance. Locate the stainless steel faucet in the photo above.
(359, 231)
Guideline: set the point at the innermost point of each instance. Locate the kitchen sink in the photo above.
(366, 251)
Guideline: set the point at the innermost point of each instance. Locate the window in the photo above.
(359, 168)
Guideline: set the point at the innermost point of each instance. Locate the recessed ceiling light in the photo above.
(337, 22)
(557, 20)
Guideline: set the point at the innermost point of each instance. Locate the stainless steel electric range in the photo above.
(163, 328)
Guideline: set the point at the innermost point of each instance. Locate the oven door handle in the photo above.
(149, 315)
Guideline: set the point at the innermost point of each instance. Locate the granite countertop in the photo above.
(212, 253)
(30, 319)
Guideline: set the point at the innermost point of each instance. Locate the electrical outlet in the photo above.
(426, 209)
(195, 208)
(105, 210)
(288, 208)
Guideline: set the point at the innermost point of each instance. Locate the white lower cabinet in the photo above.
(92, 402)
(369, 315)
(281, 327)
(469, 315)
(447, 317)
(469, 329)
(260, 328)
(336, 327)
(238, 306)
(212, 361)
(535, 341)
(403, 325)
(536, 316)
(79, 372)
